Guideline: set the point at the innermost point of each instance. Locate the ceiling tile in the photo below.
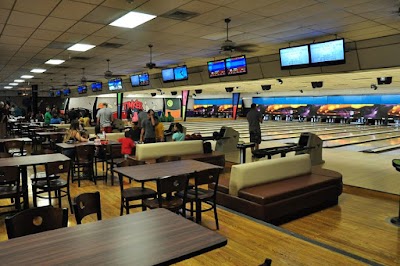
(12, 40)
(6, 4)
(215, 15)
(182, 27)
(155, 7)
(104, 15)
(158, 24)
(4, 15)
(57, 24)
(71, 37)
(123, 4)
(246, 6)
(46, 34)
(95, 40)
(18, 31)
(36, 42)
(220, 2)
(198, 7)
(40, 7)
(282, 7)
(72, 10)
(1, 27)
(110, 31)
(93, 2)
(25, 19)
(85, 28)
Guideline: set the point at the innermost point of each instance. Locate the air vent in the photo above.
(110, 45)
(180, 14)
(80, 58)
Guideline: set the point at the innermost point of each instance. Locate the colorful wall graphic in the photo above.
(214, 107)
(172, 106)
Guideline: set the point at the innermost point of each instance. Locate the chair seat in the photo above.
(56, 183)
(7, 190)
(174, 203)
(116, 161)
(138, 193)
(202, 194)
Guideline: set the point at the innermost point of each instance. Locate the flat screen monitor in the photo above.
(216, 68)
(327, 53)
(135, 80)
(168, 74)
(303, 140)
(180, 73)
(294, 57)
(115, 84)
(67, 92)
(58, 93)
(236, 65)
(97, 86)
(82, 89)
(51, 94)
(144, 79)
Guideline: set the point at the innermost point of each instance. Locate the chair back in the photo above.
(169, 185)
(114, 151)
(5, 155)
(14, 146)
(9, 175)
(84, 153)
(36, 220)
(85, 204)
(57, 168)
(168, 158)
(207, 177)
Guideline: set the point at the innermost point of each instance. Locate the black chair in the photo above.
(133, 193)
(36, 220)
(114, 157)
(10, 186)
(52, 182)
(100, 156)
(84, 162)
(86, 204)
(170, 187)
(197, 195)
(15, 147)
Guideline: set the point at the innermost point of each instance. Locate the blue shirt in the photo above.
(178, 136)
(55, 120)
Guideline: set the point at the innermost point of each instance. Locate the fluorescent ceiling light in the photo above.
(38, 70)
(13, 84)
(27, 76)
(8, 87)
(80, 47)
(54, 62)
(132, 20)
(19, 80)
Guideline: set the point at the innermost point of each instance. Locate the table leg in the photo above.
(24, 186)
(198, 211)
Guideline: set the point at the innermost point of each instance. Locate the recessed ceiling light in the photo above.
(132, 20)
(27, 76)
(8, 87)
(80, 47)
(13, 84)
(55, 61)
(38, 70)
(19, 80)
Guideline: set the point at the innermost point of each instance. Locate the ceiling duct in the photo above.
(178, 14)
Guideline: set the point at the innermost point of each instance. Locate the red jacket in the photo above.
(127, 145)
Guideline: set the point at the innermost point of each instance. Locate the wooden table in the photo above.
(64, 146)
(24, 161)
(156, 237)
(149, 172)
(20, 139)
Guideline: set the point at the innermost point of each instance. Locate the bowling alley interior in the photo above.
(199, 132)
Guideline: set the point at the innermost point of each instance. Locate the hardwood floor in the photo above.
(358, 225)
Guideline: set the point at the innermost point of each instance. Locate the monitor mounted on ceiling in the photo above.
(168, 75)
(134, 80)
(115, 84)
(82, 89)
(97, 86)
(66, 91)
(236, 65)
(327, 53)
(180, 73)
(144, 79)
(294, 57)
(216, 68)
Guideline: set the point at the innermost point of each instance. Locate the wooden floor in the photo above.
(358, 225)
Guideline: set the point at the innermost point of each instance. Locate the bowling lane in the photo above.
(372, 145)
(359, 140)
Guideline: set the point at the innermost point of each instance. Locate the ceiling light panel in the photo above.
(80, 47)
(38, 70)
(19, 80)
(8, 87)
(27, 76)
(13, 84)
(132, 20)
(55, 61)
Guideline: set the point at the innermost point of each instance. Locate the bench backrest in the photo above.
(156, 150)
(265, 171)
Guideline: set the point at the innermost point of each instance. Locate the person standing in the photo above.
(142, 115)
(47, 116)
(105, 118)
(159, 130)
(148, 134)
(254, 117)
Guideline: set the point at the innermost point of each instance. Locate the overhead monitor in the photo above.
(135, 80)
(236, 65)
(294, 57)
(144, 79)
(115, 84)
(327, 53)
(66, 91)
(168, 74)
(216, 68)
(58, 93)
(97, 86)
(180, 73)
(82, 89)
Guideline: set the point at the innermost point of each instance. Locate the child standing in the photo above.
(127, 145)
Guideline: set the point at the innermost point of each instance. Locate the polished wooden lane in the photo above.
(148, 238)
